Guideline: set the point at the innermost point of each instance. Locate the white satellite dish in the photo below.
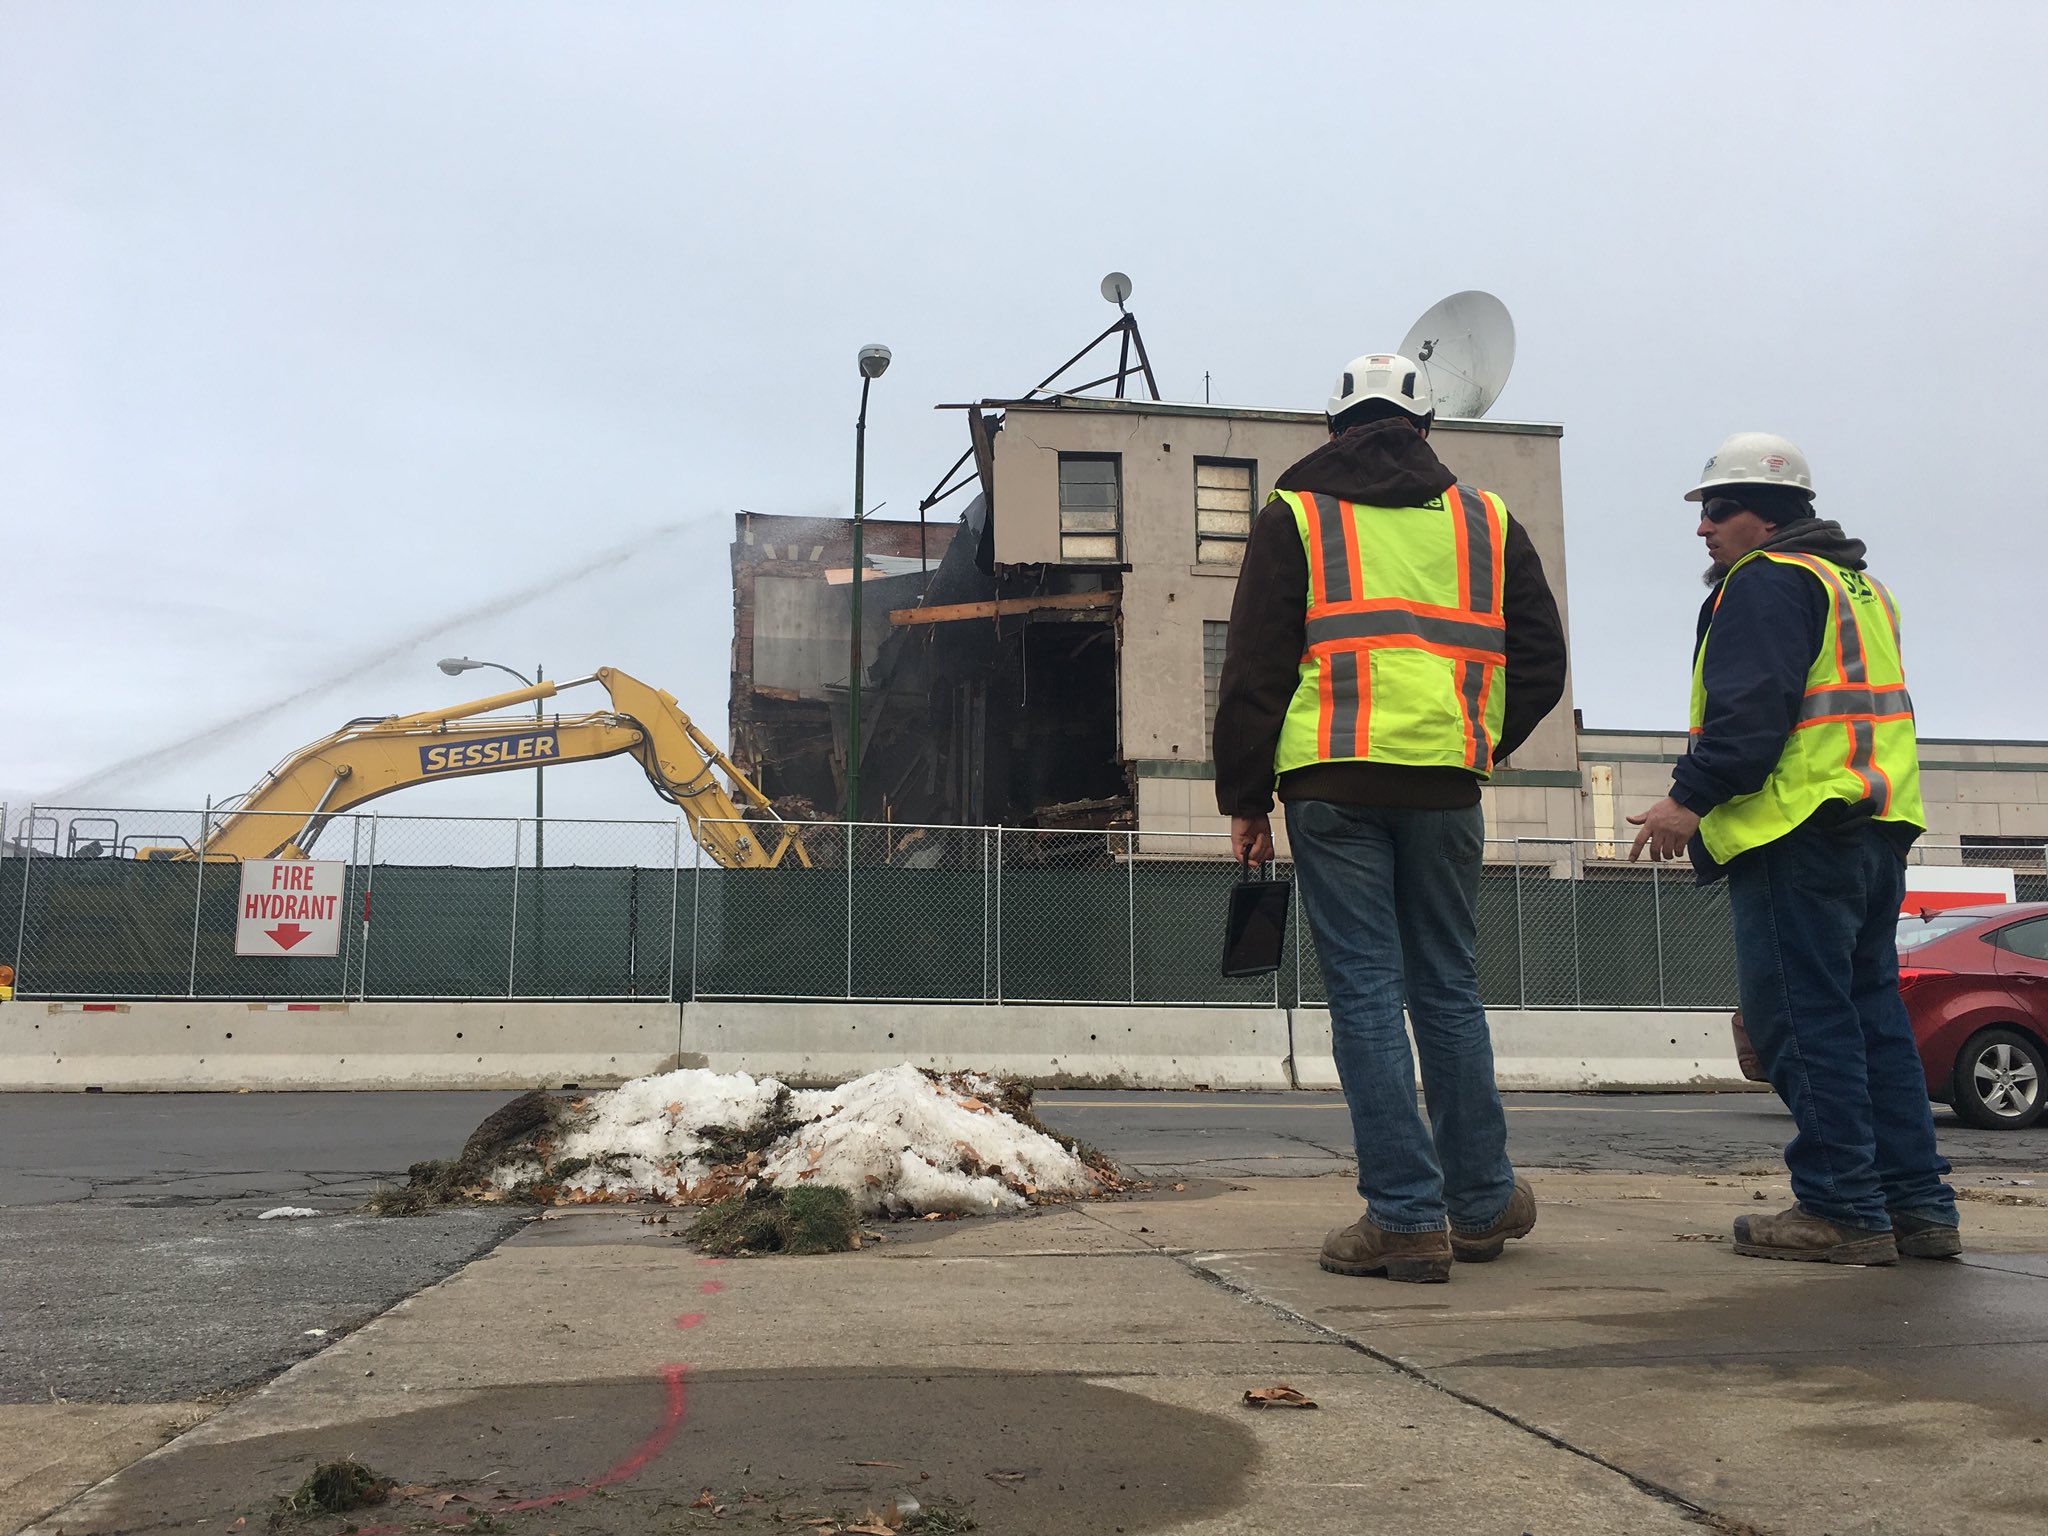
(1466, 346)
(1116, 288)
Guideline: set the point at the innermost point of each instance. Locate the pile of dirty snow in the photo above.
(899, 1141)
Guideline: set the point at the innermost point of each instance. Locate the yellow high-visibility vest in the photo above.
(1854, 740)
(1404, 654)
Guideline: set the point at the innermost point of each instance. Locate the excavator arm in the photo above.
(282, 817)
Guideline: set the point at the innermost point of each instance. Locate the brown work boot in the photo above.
(1489, 1242)
(1919, 1238)
(1799, 1234)
(1364, 1249)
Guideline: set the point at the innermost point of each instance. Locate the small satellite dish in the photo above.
(1466, 346)
(1116, 288)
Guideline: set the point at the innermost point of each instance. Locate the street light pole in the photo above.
(540, 824)
(455, 666)
(874, 362)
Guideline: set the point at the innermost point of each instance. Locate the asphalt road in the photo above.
(1222, 1134)
(132, 1265)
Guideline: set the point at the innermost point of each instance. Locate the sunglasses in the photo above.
(1720, 509)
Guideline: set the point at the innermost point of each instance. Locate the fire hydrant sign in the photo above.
(289, 907)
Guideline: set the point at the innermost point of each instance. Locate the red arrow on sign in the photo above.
(288, 934)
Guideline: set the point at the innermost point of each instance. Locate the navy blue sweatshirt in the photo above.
(1764, 637)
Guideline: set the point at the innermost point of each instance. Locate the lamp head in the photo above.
(874, 361)
(455, 666)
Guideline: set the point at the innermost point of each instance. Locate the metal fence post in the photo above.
(348, 936)
(369, 889)
(675, 895)
(1657, 920)
(1521, 934)
(198, 893)
(28, 859)
(696, 911)
(512, 944)
(852, 851)
(986, 931)
(999, 914)
(1131, 906)
(1575, 870)
(1300, 916)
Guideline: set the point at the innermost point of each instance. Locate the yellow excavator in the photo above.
(282, 817)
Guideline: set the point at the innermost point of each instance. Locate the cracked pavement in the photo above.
(132, 1266)
(1076, 1370)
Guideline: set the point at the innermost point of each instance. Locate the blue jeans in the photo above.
(1392, 897)
(1816, 926)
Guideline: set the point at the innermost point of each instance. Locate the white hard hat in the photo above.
(1384, 376)
(1754, 458)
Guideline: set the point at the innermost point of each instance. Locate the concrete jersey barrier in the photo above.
(198, 1046)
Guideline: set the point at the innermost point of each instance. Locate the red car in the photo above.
(1975, 982)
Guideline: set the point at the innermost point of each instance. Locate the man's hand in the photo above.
(1667, 827)
(1251, 838)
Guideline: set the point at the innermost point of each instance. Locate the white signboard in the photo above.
(1936, 887)
(289, 907)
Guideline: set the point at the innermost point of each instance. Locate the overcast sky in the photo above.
(323, 325)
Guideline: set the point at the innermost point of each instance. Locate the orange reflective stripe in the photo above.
(1403, 642)
(1497, 537)
(1324, 628)
(1404, 605)
(1849, 664)
(1317, 593)
(1461, 539)
(1354, 555)
(1481, 552)
(1324, 706)
(1884, 801)
(1850, 714)
(1471, 697)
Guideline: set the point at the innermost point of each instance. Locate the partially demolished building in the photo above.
(1054, 664)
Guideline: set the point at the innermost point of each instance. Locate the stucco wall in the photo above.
(1167, 596)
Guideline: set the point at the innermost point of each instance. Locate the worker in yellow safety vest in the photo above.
(1392, 640)
(1801, 784)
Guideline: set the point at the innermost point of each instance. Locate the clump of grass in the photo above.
(807, 1219)
(333, 1488)
(942, 1517)
(517, 1128)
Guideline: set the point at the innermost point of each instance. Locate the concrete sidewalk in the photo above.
(1081, 1371)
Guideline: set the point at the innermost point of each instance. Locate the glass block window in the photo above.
(1091, 508)
(1215, 640)
(1223, 510)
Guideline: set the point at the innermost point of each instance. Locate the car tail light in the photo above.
(1913, 975)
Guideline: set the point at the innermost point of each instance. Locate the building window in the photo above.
(1223, 510)
(1091, 508)
(1215, 640)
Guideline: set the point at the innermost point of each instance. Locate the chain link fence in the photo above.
(112, 904)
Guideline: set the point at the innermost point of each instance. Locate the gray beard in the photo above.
(1714, 575)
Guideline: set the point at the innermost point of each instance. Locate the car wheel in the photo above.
(2001, 1081)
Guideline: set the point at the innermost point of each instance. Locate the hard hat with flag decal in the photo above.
(1754, 458)
(1386, 376)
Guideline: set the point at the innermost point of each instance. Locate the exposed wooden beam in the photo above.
(953, 612)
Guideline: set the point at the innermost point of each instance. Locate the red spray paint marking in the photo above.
(689, 1319)
(646, 1451)
(711, 1287)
